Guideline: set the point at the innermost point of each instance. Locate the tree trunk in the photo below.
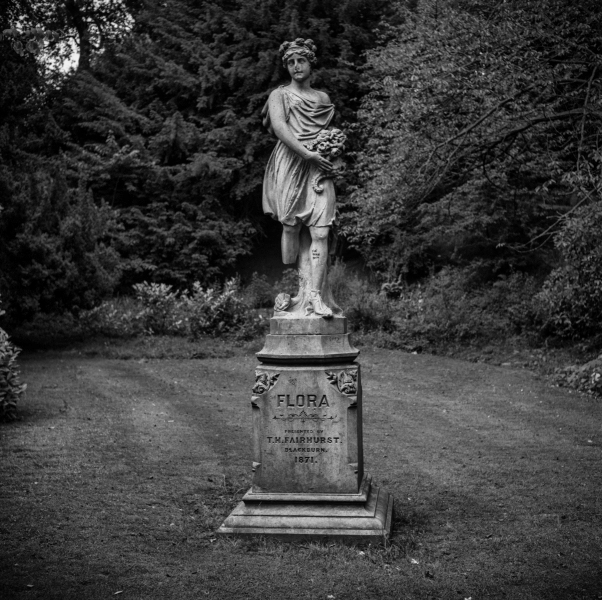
(77, 17)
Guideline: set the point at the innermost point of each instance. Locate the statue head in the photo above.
(305, 48)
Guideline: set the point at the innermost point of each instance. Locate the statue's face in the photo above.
(298, 67)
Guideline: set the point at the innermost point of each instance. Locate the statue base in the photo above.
(308, 465)
(368, 521)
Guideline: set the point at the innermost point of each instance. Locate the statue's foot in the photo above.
(319, 307)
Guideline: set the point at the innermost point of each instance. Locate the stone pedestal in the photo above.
(309, 480)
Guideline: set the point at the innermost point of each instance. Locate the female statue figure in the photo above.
(296, 114)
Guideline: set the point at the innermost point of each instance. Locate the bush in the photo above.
(288, 283)
(215, 313)
(449, 307)
(569, 304)
(157, 309)
(368, 310)
(259, 293)
(452, 306)
(115, 318)
(11, 389)
(585, 378)
(54, 247)
(159, 304)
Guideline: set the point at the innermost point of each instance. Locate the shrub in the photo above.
(115, 318)
(451, 306)
(157, 309)
(585, 378)
(11, 389)
(259, 293)
(288, 283)
(213, 312)
(569, 303)
(448, 307)
(366, 309)
(53, 249)
(159, 305)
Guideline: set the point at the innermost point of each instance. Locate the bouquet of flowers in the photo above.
(330, 143)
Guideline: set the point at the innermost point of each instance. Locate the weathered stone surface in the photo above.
(300, 349)
(369, 521)
(307, 429)
(308, 477)
(282, 325)
(360, 496)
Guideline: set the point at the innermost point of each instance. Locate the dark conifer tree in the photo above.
(167, 121)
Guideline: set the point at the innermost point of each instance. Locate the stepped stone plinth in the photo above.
(308, 473)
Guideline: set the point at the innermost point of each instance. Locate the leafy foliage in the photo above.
(158, 301)
(160, 121)
(51, 246)
(54, 252)
(11, 388)
(158, 309)
(585, 378)
(167, 123)
(480, 129)
(216, 312)
(569, 303)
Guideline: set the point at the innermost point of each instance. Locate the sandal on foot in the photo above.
(318, 305)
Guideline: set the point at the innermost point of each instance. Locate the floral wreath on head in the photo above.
(300, 46)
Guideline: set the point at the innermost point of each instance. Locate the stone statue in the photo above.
(298, 187)
(310, 485)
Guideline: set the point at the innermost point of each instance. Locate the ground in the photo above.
(120, 471)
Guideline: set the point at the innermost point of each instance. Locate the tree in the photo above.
(53, 255)
(167, 122)
(159, 127)
(65, 29)
(480, 134)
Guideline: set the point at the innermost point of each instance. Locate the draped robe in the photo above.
(288, 195)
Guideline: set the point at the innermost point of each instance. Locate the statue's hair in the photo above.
(300, 46)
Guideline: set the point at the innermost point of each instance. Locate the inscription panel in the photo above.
(306, 430)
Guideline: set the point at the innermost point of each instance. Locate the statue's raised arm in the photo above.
(298, 189)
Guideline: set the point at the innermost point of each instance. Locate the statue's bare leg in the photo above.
(290, 243)
(319, 265)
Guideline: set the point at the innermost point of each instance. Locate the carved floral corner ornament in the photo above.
(345, 381)
(264, 382)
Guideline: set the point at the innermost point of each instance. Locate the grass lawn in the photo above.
(120, 471)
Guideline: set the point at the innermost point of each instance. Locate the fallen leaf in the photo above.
(414, 561)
